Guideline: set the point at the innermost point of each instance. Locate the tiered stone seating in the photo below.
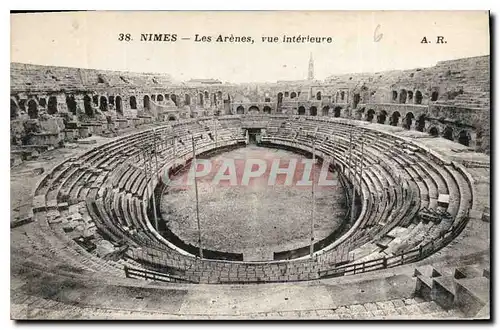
(394, 186)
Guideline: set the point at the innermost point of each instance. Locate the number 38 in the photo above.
(124, 37)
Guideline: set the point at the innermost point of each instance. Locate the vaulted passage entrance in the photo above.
(408, 120)
(88, 106)
(118, 105)
(253, 109)
(146, 102)
(52, 105)
(103, 104)
(71, 104)
(370, 114)
(464, 138)
(395, 118)
(382, 117)
(421, 123)
(448, 133)
(32, 109)
(336, 111)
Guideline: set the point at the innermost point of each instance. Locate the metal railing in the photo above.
(414, 255)
(151, 275)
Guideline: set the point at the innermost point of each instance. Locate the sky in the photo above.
(363, 41)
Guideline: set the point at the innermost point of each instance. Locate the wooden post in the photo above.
(312, 196)
(197, 200)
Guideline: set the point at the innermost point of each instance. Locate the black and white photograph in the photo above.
(250, 165)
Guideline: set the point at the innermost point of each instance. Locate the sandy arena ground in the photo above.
(255, 219)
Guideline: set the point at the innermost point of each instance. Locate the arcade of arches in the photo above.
(53, 105)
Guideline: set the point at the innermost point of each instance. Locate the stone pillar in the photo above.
(80, 106)
(62, 107)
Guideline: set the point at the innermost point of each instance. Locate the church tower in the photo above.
(310, 72)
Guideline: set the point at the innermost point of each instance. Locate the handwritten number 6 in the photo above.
(377, 36)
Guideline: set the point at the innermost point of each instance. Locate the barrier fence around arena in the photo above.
(414, 255)
(150, 275)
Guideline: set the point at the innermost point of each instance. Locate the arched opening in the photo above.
(153, 97)
(133, 102)
(356, 99)
(200, 99)
(71, 103)
(14, 109)
(253, 109)
(52, 105)
(103, 104)
(318, 96)
(434, 96)
(336, 111)
(207, 97)
(418, 97)
(118, 105)
(448, 133)
(464, 138)
(171, 118)
(145, 102)
(342, 96)
(42, 102)
(293, 95)
(402, 96)
(280, 98)
(267, 109)
(370, 114)
(32, 109)
(111, 100)
(382, 116)
(88, 106)
(215, 99)
(187, 99)
(421, 123)
(239, 110)
(22, 105)
(410, 96)
(159, 98)
(313, 111)
(95, 100)
(395, 118)
(173, 97)
(219, 95)
(394, 95)
(434, 131)
(325, 110)
(408, 120)
(302, 110)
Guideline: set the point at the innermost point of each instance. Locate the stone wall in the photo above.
(450, 99)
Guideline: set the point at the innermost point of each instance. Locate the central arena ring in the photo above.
(396, 179)
(262, 217)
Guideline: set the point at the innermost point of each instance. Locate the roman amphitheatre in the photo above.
(97, 232)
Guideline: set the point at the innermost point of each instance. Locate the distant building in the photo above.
(205, 81)
(310, 72)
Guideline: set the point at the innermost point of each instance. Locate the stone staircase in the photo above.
(463, 288)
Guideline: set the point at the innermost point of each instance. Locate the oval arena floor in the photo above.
(89, 218)
(257, 217)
